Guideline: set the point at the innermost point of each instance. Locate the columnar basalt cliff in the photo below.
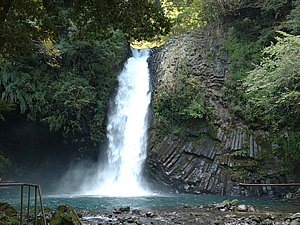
(214, 156)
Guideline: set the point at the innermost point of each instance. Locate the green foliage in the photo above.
(23, 24)
(70, 95)
(263, 88)
(240, 153)
(138, 19)
(287, 147)
(294, 23)
(180, 101)
(5, 106)
(273, 87)
(190, 14)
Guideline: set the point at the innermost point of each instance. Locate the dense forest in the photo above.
(59, 61)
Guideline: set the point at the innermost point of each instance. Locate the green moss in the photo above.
(257, 219)
(8, 209)
(65, 215)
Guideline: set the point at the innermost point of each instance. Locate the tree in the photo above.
(23, 24)
(273, 87)
(138, 19)
(66, 88)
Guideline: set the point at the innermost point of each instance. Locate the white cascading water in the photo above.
(127, 130)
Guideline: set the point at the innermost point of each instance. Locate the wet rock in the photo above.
(65, 215)
(242, 208)
(150, 214)
(295, 216)
(125, 208)
(234, 202)
(251, 208)
(117, 211)
(269, 216)
(218, 222)
(131, 220)
(293, 196)
(224, 205)
(136, 211)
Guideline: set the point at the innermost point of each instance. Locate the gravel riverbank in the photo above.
(199, 214)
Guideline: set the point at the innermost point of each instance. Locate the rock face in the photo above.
(216, 156)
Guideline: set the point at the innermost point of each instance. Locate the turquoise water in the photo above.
(93, 202)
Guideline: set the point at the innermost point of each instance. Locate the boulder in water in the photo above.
(65, 215)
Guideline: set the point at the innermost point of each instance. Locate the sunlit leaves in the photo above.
(138, 19)
(274, 86)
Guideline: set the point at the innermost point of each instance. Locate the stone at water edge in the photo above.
(242, 208)
(117, 211)
(295, 216)
(224, 205)
(65, 215)
(136, 211)
(235, 202)
(150, 214)
(251, 208)
(8, 209)
(125, 208)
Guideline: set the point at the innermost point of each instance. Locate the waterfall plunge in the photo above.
(127, 130)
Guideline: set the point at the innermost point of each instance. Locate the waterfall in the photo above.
(127, 130)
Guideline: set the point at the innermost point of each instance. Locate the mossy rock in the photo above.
(8, 209)
(46, 210)
(234, 202)
(65, 215)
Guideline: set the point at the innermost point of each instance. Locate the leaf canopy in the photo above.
(23, 24)
(274, 85)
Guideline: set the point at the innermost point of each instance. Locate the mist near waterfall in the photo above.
(119, 174)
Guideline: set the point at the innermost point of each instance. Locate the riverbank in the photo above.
(226, 212)
(185, 214)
